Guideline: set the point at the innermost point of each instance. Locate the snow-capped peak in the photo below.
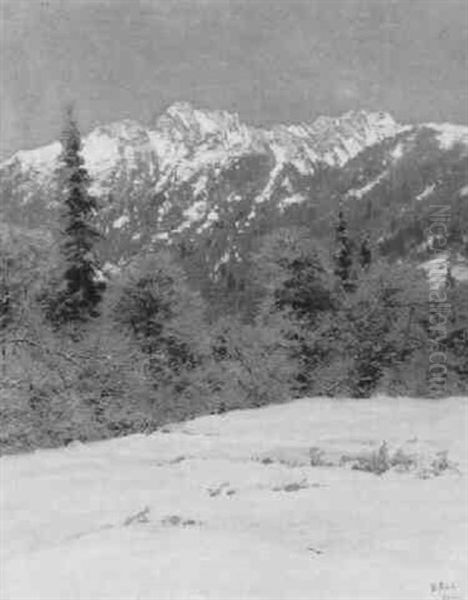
(449, 134)
(186, 143)
(181, 122)
(185, 133)
(110, 145)
(331, 140)
(187, 140)
(38, 163)
(207, 122)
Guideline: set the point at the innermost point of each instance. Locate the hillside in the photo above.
(259, 504)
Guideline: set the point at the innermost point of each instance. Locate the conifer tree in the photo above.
(343, 255)
(365, 253)
(81, 291)
(5, 307)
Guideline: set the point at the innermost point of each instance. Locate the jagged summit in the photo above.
(183, 120)
(204, 177)
(184, 137)
(183, 123)
(184, 130)
(193, 168)
(207, 121)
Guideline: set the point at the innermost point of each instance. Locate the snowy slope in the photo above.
(230, 507)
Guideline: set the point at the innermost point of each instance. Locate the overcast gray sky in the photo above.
(269, 60)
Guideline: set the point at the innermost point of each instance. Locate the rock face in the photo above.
(209, 184)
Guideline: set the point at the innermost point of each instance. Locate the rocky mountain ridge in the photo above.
(185, 139)
(211, 186)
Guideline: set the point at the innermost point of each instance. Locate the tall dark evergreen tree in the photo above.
(343, 255)
(81, 291)
(365, 253)
(5, 307)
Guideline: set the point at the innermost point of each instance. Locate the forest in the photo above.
(87, 354)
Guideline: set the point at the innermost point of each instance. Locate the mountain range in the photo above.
(210, 186)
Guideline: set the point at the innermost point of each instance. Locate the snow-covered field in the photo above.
(230, 507)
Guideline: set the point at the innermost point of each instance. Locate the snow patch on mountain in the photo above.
(234, 197)
(101, 152)
(39, 163)
(359, 193)
(121, 221)
(271, 183)
(449, 135)
(200, 185)
(291, 200)
(161, 236)
(250, 217)
(164, 210)
(225, 258)
(211, 218)
(426, 192)
(192, 214)
(397, 152)
(120, 145)
(196, 211)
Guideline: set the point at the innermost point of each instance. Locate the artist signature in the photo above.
(445, 590)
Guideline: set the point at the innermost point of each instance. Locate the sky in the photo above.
(269, 60)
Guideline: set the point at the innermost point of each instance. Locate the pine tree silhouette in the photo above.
(82, 292)
(365, 253)
(343, 255)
